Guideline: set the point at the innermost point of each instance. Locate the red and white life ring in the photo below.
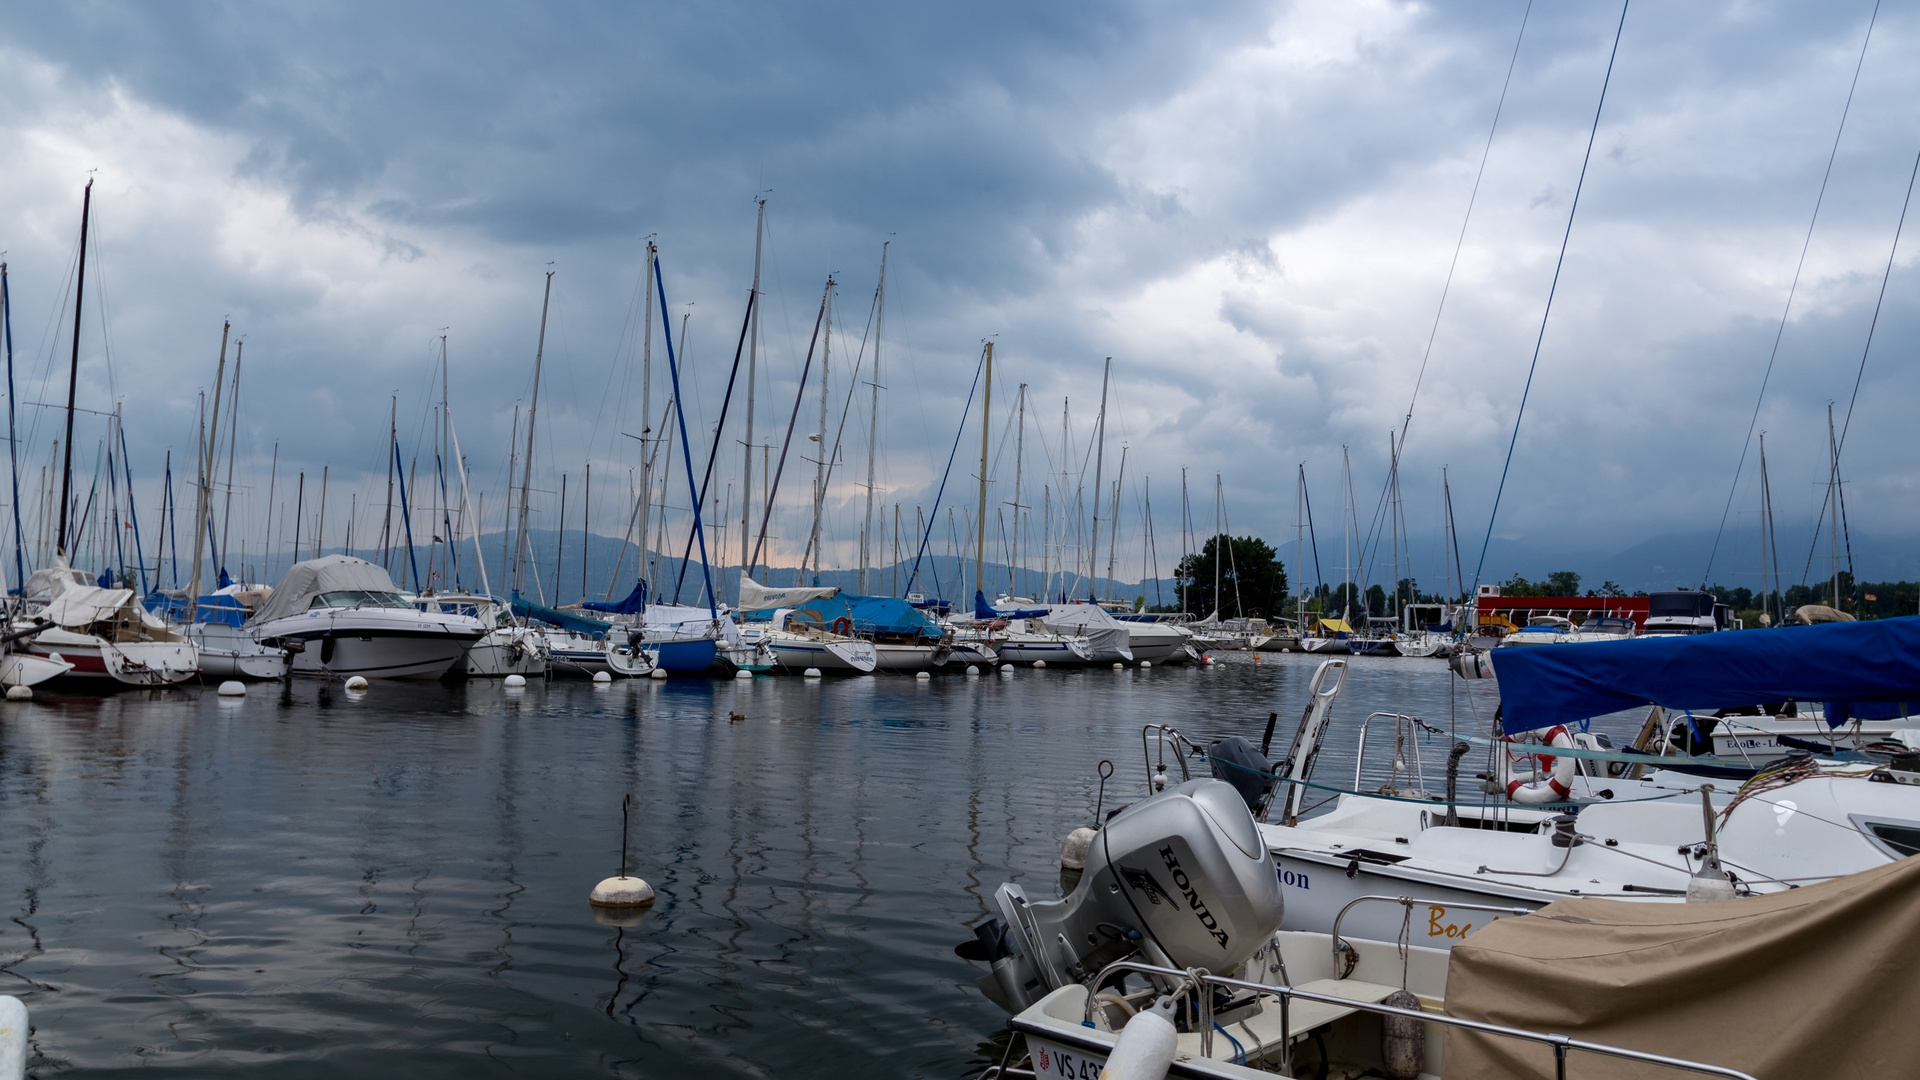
(1560, 769)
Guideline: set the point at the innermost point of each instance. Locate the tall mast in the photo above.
(825, 451)
(233, 421)
(646, 418)
(73, 376)
(1019, 462)
(393, 440)
(1769, 544)
(1300, 608)
(1186, 536)
(1113, 522)
(986, 422)
(13, 445)
(1219, 555)
(1100, 451)
(206, 467)
(526, 464)
(873, 417)
(753, 368)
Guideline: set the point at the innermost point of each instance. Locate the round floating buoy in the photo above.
(621, 892)
(514, 682)
(356, 682)
(1006, 669)
(921, 675)
(743, 674)
(602, 677)
(1040, 663)
(659, 673)
(1073, 850)
(232, 688)
(1207, 661)
(19, 693)
(811, 673)
(1146, 663)
(1118, 666)
(973, 669)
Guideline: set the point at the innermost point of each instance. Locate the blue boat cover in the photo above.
(565, 620)
(209, 609)
(1860, 669)
(983, 610)
(865, 614)
(634, 604)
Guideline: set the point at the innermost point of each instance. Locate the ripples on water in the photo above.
(303, 883)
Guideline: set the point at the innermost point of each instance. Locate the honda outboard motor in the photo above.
(1181, 877)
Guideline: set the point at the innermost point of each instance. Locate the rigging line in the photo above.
(1553, 288)
(1792, 289)
(1860, 373)
(1460, 241)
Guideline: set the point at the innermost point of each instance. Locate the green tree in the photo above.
(1250, 564)
(1563, 583)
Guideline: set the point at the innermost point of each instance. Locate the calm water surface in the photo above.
(307, 883)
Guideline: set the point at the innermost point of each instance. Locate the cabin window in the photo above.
(1897, 838)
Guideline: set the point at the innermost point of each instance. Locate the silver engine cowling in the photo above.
(1181, 877)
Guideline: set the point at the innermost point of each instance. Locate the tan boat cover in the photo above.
(1811, 982)
(328, 573)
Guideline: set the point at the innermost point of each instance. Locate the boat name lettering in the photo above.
(1438, 928)
(1288, 877)
(1055, 1062)
(1198, 905)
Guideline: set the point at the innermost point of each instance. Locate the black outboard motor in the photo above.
(1238, 762)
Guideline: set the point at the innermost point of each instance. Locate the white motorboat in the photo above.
(626, 658)
(509, 646)
(1542, 630)
(1108, 639)
(341, 616)
(1156, 642)
(228, 652)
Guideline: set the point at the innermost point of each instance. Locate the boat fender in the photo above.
(1403, 1040)
(1559, 784)
(1145, 1048)
(843, 626)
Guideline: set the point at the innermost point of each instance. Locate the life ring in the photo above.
(1559, 784)
(843, 626)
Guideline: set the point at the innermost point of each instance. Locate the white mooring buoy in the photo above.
(356, 682)
(13, 1034)
(811, 673)
(1039, 663)
(19, 693)
(973, 669)
(232, 688)
(514, 682)
(921, 675)
(1146, 663)
(659, 673)
(1006, 669)
(743, 674)
(621, 892)
(1117, 666)
(602, 678)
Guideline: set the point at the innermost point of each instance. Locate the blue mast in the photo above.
(686, 448)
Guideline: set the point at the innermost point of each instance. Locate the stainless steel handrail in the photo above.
(1419, 771)
(1560, 1043)
(1339, 943)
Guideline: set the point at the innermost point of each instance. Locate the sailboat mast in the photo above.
(526, 464)
(986, 423)
(13, 443)
(753, 368)
(1219, 509)
(1099, 454)
(1113, 523)
(824, 451)
(873, 416)
(73, 372)
(646, 418)
(206, 467)
(1019, 463)
(233, 419)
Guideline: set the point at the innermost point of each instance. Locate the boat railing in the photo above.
(1159, 737)
(1406, 749)
(1344, 955)
(1198, 978)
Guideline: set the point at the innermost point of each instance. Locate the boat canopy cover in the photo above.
(329, 573)
(693, 619)
(634, 604)
(1845, 665)
(1784, 984)
(987, 612)
(84, 605)
(1338, 626)
(867, 614)
(48, 581)
(757, 597)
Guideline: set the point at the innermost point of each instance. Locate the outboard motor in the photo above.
(1181, 877)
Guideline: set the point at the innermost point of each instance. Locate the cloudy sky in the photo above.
(1251, 209)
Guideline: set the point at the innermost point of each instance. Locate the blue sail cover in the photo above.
(210, 608)
(634, 604)
(565, 620)
(1858, 669)
(983, 610)
(866, 615)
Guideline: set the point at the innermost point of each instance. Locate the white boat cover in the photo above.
(1815, 981)
(757, 597)
(692, 618)
(1109, 637)
(50, 581)
(328, 573)
(84, 605)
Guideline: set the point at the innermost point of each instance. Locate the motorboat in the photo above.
(1542, 630)
(1109, 641)
(509, 647)
(341, 616)
(105, 636)
(1155, 640)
